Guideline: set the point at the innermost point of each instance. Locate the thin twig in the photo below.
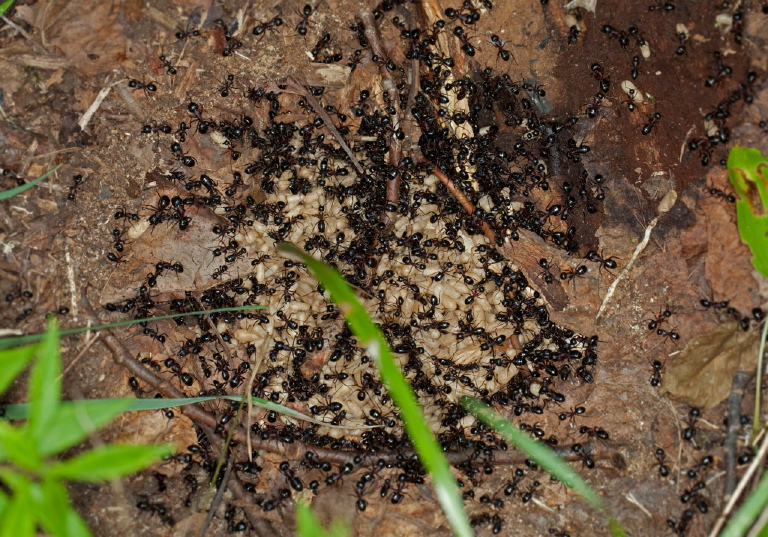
(757, 462)
(296, 87)
(739, 386)
(216, 499)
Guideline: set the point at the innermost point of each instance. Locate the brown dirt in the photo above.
(61, 55)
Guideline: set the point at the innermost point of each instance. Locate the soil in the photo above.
(79, 82)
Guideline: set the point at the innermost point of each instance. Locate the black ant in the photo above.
(573, 35)
(602, 79)
(169, 68)
(653, 119)
(18, 294)
(117, 236)
(703, 463)
(180, 156)
(572, 273)
(608, 263)
(267, 25)
(184, 34)
(293, 481)
(115, 258)
(593, 432)
(635, 64)
(147, 129)
(653, 324)
(147, 87)
(546, 265)
(466, 46)
(321, 44)
(77, 180)
(671, 334)
(693, 417)
(593, 106)
(661, 459)
(306, 12)
(219, 272)
(619, 35)
(226, 85)
(656, 375)
(665, 6)
(730, 198)
(572, 413)
(499, 44)
(528, 494)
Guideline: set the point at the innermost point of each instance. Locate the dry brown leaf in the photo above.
(701, 375)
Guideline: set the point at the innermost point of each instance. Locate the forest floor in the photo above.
(630, 184)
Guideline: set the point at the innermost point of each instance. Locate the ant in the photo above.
(653, 119)
(117, 235)
(635, 64)
(226, 85)
(572, 273)
(293, 481)
(574, 412)
(592, 107)
(607, 263)
(661, 459)
(653, 324)
(306, 12)
(671, 334)
(693, 417)
(267, 25)
(620, 35)
(546, 265)
(18, 294)
(703, 463)
(499, 44)
(184, 34)
(180, 156)
(169, 68)
(165, 129)
(466, 46)
(730, 198)
(77, 180)
(321, 43)
(573, 35)
(219, 272)
(115, 258)
(593, 432)
(147, 87)
(602, 79)
(656, 376)
(665, 6)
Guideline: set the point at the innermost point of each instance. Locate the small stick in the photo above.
(739, 386)
(299, 88)
(757, 462)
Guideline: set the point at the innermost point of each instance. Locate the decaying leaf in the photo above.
(701, 375)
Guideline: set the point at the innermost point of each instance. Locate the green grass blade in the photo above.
(19, 517)
(9, 342)
(748, 513)
(100, 411)
(56, 514)
(5, 6)
(429, 450)
(45, 384)
(108, 462)
(5, 194)
(542, 455)
(307, 524)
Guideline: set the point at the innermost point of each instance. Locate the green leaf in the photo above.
(746, 515)
(52, 506)
(108, 462)
(4, 195)
(19, 517)
(5, 6)
(748, 172)
(307, 524)
(12, 362)
(74, 421)
(429, 450)
(45, 384)
(18, 447)
(543, 455)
